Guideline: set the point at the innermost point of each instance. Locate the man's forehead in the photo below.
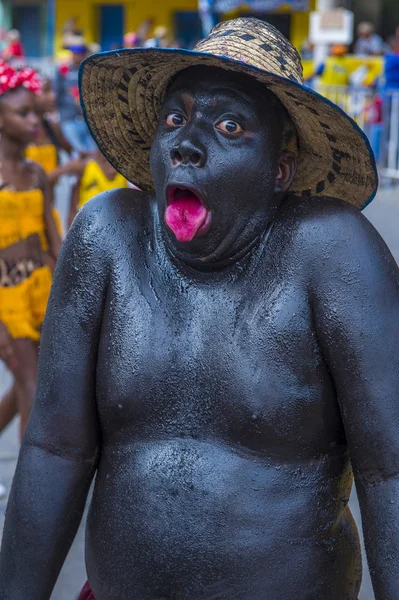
(217, 83)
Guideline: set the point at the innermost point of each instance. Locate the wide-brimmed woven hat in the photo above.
(122, 93)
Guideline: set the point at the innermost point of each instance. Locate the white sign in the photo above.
(332, 27)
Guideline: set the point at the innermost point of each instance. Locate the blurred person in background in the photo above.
(67, 94)
(161, 38)
(135, 39)
(49, 141)
(307, 50)
(332, 72)
(391, 65)
(70, 29)
(131, 40)
(335, 72)
(375, 120)
(368, 43)
(29, 242)
(379, 109)
(144, 30)
(97, 176)
(93, 48)
(14, 47)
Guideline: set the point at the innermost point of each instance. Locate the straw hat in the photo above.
(122, 93)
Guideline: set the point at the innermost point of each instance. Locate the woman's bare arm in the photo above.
(75, 166)
(53, 238)
(73, 209)
(64, 143)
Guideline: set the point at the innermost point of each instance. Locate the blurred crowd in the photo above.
(364, 81)
(371, 62)
(146, 36)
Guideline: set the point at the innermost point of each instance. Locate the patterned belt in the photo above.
(14, 272)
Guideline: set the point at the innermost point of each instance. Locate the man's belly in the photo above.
(189, 519)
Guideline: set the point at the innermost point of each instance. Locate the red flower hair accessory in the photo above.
(10, 79)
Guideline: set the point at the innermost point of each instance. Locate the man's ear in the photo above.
(286, 171)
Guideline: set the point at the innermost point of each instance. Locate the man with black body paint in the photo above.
(220, 387)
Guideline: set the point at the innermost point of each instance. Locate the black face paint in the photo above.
(214, 161)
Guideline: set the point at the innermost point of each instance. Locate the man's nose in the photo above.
(187, 152)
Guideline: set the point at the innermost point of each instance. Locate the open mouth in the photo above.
(186, 214)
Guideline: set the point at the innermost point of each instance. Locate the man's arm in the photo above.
(60, 448)
(355, 294)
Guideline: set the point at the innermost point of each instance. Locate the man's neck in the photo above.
(214, 262)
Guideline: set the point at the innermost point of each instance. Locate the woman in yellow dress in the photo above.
(96, 176)
(49, 141)
(29, 241)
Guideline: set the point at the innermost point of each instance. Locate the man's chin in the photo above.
(199, 250)
(204, 252)
(198, 244)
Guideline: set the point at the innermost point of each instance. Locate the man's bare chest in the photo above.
(238, 361)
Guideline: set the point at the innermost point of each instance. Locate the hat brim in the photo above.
(122, 93)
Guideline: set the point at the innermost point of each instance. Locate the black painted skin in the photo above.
(220, 399)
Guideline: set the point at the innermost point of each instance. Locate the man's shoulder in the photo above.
(112, 204)
(328, 232)
(326, 216)
(112, 217)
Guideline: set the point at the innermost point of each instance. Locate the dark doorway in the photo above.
(390, 18)
(112, 26)
(28, 20)
(188, 29)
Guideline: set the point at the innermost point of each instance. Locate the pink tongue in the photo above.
(185, 216)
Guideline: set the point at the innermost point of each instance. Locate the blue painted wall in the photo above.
(112, 26)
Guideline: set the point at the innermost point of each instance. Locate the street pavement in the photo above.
(383, 213)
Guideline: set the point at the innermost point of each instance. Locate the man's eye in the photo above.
(175, 120)
(229, 126)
